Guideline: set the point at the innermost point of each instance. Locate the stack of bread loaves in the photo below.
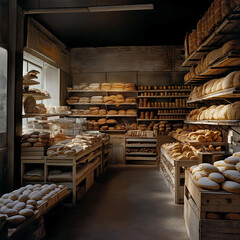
(94, 86)
(96, 99)
(180, 151)
(215, 85)
(17, 206)
(212, 57)
(106, 86)
(223, 174)
(118, 86)
(218, 10)
(73, 147)
(221, 112)
(35, 139)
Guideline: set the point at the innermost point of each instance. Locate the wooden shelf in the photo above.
(229, 62)
(141, 153)
(141, 139)
(32, 115)
(233, 123)
(104, 104)
(172, 96)
(165, 119)
(167, 90)
(140, 158)
(171, 114)
(36, 96)
(165, 107)
(224, 32)
(140, 145)
(101, 116)
(112, 131)
(227, 93)
(98, 91)
(197, 143)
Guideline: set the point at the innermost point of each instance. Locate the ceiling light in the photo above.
(121, 8)
(135, 7)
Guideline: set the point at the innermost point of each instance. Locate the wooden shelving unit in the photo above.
(227, 63)
(32, 115)
(140, 142)
(36, 96)
(163, 119)
(70, 90)
(227, 93)
(198, 202)
(173, 174)
(101, 116)
(165, 96)
(90, 161)
(234, 123)
(225, 31)
(149, 108)
(166, 90)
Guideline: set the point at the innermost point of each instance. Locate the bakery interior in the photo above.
(120, 119)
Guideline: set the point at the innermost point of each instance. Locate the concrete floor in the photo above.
(130, 203)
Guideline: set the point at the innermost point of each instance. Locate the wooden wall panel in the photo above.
(65, 82)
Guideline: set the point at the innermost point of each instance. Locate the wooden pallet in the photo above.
(198, 202)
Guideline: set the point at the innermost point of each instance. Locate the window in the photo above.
(3, 97)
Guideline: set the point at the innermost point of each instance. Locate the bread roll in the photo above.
(236, 79)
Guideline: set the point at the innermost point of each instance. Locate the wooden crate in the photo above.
(176, 180)
(33, 151)
(198, 202)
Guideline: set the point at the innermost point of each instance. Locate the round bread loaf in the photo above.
(236, 154)
(208, 168)
(213, 215)
(231, 186)
(198, 175)
(238, 166)
(222, 163)
(15, 220)
(44, 135)
(26, 144)
(232, 216)
(206, 183)
(233, 175)
(196, 169)
(216, 177)
(26, 212)
(232, 160)
(32, 140)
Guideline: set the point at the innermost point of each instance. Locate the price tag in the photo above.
(149, 134)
